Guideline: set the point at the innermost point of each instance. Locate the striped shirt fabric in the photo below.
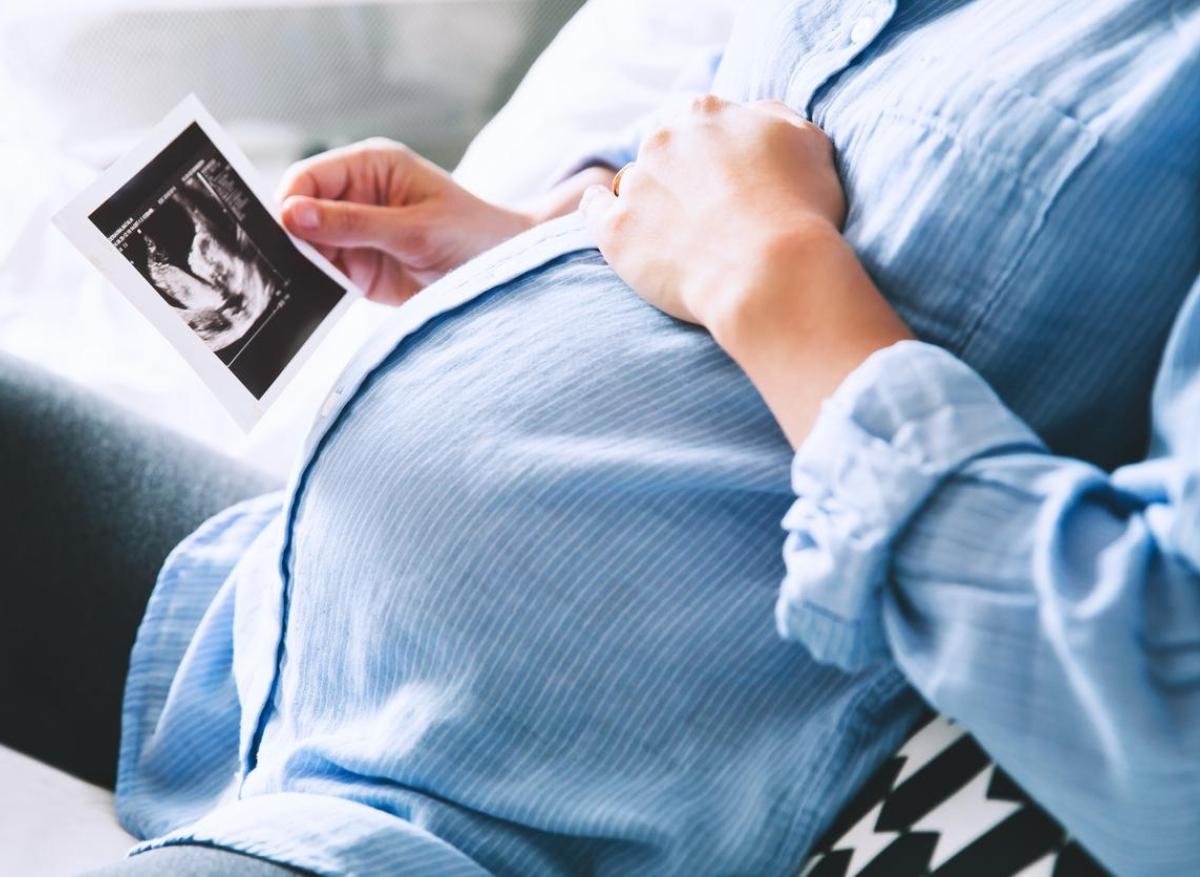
(519, 611)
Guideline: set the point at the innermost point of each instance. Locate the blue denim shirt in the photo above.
(519, 608)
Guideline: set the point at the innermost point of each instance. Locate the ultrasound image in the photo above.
(193, 229)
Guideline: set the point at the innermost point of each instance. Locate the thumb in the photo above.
(595, 205)
(349, 224)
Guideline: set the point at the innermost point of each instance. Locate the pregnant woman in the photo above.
(518, 609)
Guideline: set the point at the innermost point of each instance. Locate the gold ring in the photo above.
(616, 183)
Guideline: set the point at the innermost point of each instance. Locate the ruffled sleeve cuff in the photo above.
(898, 427)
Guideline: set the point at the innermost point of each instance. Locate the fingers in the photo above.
(708, 104)
(682, 111)
(322, 176)
(329, 223)
(382, 278)
(600, 209)
(780, 109)
(391, 285)
(331, 174)
(330, 253)
(812, 134)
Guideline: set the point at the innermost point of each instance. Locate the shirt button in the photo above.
(862, 31)
(331, 402)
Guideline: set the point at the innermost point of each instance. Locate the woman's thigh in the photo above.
(92, 499)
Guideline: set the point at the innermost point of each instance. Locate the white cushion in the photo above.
(53, 824)
(612, 64)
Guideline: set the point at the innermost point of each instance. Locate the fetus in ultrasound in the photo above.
(202, 262)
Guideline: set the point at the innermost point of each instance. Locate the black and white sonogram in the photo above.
(195, 231)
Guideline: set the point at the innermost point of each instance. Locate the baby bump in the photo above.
(557, 509)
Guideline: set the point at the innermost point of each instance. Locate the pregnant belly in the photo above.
(542, 552)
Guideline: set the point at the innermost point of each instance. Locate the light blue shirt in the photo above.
(519, 608)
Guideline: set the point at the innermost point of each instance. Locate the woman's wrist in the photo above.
(805, 315)
(500, 222)
(564, 198)
(738, 309)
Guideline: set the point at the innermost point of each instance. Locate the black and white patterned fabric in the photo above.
(941, 808)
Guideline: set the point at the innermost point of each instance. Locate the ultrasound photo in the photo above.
(193, 228)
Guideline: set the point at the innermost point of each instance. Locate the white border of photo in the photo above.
(73, 220)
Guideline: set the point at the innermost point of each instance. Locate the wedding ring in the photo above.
(616, 183)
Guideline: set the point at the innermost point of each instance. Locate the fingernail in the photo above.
(306, 216)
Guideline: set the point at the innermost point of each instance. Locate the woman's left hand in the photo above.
(730, 218)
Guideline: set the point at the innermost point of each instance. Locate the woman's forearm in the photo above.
(801, 320)
(564, 197)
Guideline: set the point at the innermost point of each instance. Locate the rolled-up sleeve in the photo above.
(897, 428)
(1051, 607)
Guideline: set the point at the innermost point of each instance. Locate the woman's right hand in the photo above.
(390, 220)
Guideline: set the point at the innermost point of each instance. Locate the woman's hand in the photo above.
(394, 222)
(730, 218)
(390, 220)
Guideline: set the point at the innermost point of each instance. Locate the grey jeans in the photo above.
(91, 501)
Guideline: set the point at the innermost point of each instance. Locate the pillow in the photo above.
(941, 808)
(612, 64)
